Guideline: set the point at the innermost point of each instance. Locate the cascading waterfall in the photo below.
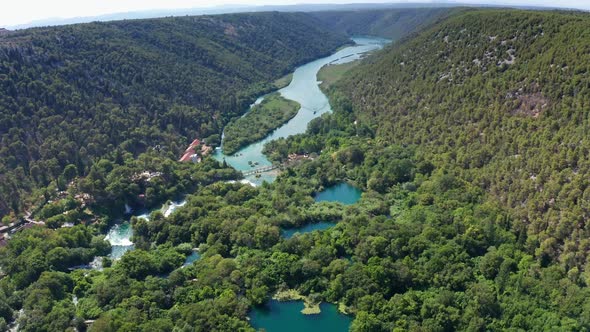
(119, 236)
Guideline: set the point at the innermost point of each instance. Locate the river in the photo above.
(304, 89)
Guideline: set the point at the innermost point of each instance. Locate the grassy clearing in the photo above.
(330, 74)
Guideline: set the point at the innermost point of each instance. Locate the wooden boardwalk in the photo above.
(260, 170)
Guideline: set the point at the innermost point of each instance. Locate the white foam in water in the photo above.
(246, 181)
(14, 326)
(243, 181)
(123, 243)
(119, 235)
(96, 263)
(172, 207)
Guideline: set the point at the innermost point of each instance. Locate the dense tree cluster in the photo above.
(504, 106)
(71, 94)
(498, 99)
(146, 181)
(36, 262)
(424, 250)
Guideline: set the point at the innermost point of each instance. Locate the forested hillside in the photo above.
(467, 140)
(498, 100)
(388, 23)
(69, 95)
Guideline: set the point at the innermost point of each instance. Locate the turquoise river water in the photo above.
(342, 192)
(287, 317)
(304, 88)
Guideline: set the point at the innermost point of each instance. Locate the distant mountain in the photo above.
(393, 24)
(145, 14)
(235, 9)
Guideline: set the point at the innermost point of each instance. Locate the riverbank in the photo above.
(332, 73)
(283, 81)
(265, 117)
(344, 309)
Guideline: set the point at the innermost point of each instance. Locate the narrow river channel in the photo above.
(304, 89)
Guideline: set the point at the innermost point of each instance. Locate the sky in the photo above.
(17, 12)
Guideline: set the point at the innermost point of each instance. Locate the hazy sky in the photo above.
(23, 11)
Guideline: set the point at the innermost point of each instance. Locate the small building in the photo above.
(205, 150)
(191, 154)
(186, 157)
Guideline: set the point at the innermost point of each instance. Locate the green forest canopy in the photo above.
(498, 99)
(72, 94)
(468, 141)
(503, 105)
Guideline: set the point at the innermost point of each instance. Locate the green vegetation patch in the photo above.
(283, 81)
(259, 122)
(330, 74)
(311, 307)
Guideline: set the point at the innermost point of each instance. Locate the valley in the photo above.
(427, 172)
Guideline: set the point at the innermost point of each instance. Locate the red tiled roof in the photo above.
(190, 151)
(186, 156)
(195, 142)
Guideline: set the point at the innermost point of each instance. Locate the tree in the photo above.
(70, 172)
(366, 322)
(137, 264)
